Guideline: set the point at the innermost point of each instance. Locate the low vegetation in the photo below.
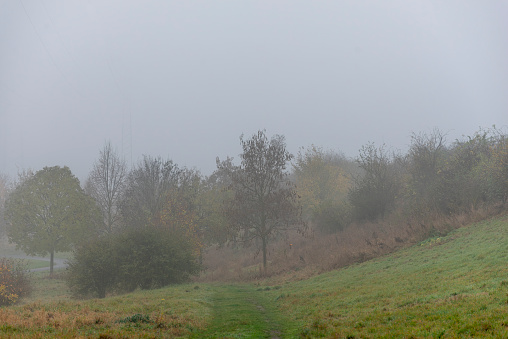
(145, 259)
(394, 249)
(14, 281)
(444, 287)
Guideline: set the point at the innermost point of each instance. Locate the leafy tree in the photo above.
(425, 162)
(4, 192)
(374, 192)
(323, 180)
(475, 172)
(179, 217)
(48, 212)
(498, 170)
(459, 187)
(265, 200)
(147, 189)
(106, 183)
(210, 219)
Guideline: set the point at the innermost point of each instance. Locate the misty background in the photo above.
(184, 80)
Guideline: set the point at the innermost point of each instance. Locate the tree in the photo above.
(375, 191)
(4, 192)
(324, 179)
(48, 212)
(210, 219)
(425, 160)
(146, 190)
(265, 200)
(106, 183)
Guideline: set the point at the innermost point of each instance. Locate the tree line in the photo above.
(116, 222)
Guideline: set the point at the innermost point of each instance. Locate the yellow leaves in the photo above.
(320, 178)
(7, 286)
(177, 217)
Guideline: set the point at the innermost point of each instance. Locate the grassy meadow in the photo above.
(454, 286)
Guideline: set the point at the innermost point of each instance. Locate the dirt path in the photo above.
(58, 263)
(241, 311)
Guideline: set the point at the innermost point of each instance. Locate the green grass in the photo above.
(454, 286)
(171, 312)
(242, 311)
(33, 263)
(7, 249)
(448, 287)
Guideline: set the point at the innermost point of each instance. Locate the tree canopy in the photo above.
(147, 190)
(48, 212)
(265, 200)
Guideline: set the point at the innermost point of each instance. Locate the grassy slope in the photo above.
(455, 286)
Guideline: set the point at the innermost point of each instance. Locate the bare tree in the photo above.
(265, 200)
(147, 189)
(106, 183)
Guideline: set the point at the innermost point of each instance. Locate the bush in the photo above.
(153, 258)
(14, 281)
(331, 217)
(94, 269)
(145, 259)
(373, 194)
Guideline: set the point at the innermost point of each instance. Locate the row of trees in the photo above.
(253, 201)
(432, 177)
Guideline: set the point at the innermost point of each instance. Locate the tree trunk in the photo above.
(51, 261)
(264, 253)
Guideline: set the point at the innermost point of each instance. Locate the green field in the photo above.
(449, 287)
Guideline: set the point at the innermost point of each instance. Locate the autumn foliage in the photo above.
(14, 283)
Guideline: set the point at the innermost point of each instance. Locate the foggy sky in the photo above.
(184, 80)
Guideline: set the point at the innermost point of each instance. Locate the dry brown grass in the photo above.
(297, 258)
(104, 318)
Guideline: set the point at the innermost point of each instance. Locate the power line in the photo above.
(47, 50)
(117, 85)
(57, 32)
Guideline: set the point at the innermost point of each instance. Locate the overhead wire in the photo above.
(124, 97)
(47, 50)
(58, 33)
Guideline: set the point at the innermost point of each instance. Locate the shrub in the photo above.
(153, 258)
(94, 268)
(14, 281)
(331, 216)
(373, 194)
(147, 258)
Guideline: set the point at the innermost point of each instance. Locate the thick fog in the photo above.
(184, 80)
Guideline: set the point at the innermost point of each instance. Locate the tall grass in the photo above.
(302, 257)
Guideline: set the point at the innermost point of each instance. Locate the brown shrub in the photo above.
(14, 281)
(294, 257)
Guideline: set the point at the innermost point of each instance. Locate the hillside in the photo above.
(454, 286)
(448, 287)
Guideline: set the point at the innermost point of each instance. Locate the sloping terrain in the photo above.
(448, 287)
(453, 286)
